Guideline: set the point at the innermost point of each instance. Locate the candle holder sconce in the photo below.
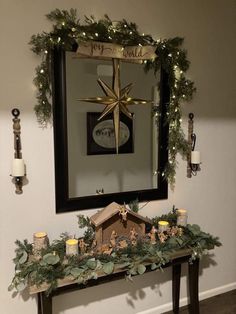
(193, 159)
(18, 166)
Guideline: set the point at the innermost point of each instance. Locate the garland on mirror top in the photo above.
(67, 29)
(52, 263)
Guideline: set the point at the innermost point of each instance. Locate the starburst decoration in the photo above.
(116, 100)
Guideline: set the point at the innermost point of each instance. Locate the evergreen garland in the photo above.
(53, 264)
(67, 29)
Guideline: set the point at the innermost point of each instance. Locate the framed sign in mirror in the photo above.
(89, 171)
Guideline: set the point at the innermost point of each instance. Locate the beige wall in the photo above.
(209, 30)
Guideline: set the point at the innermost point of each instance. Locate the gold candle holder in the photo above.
(72, 247)
(163, 225)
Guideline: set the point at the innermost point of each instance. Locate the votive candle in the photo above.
(163, 225)
(182, 217)
(72, 247)
(40, 241)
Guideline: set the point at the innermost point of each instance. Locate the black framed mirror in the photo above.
(69, 123)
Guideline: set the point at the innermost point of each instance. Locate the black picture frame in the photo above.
(103, 129)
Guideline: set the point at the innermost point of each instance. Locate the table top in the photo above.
(69, 280)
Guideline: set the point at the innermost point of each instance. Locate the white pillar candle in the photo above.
(195, 157)
(182, 217)
(156, 98)
(163, 225)
(72, 247)
(18, 168)
(40, 241)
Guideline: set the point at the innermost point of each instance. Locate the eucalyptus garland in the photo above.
(67, 30)
(52, 264)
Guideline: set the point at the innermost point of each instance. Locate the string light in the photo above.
(58, 39)
(73, 29)
(63, 23)
(96, 34)
(46, 52)
(42, 71)
(84, 33)
(130, 32)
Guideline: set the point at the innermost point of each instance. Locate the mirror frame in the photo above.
(63, 202)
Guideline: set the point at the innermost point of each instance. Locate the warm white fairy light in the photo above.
(84, 33)
(130, 32)
(58, 39)
(110, 37)
(140, 45)
(170, 55)
(42, 71)
(73, 29)
(96, 34)
(63, 23)
(46, 52)
(125, 25)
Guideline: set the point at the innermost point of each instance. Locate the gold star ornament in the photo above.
(116, 100)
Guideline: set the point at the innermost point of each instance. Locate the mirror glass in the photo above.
(94, 167)
(88, 171)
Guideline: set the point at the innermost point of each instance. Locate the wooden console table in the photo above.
(65, 286)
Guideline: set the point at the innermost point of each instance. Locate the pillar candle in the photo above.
(18, 168)
(156, 98)
(182, 217)
(40, 241)
(72, 247)
(163, 225)
(195, 157)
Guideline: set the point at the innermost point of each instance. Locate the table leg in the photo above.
(193, 286)
(176, 274)
(44, 303)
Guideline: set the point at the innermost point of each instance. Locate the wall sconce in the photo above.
(18, 166)
(194, 158)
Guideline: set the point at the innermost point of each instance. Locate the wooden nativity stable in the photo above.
(119, 219)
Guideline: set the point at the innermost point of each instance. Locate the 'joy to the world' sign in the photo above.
(95, 49)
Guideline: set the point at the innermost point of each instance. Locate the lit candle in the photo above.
(163, 225)
(156, 98)
(195, 157)
(18, 168)
(72, 247)
(40, 241)
(182, 217)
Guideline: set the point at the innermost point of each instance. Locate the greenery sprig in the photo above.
(52, 264)
(67, 29)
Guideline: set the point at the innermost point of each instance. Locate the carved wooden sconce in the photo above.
(18, 165)
(193, 160)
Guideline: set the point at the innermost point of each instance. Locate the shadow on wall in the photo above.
(132, 291)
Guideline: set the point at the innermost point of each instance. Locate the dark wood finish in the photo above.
(45, 303)
(176, 274)
(193, 271)
(63, 202)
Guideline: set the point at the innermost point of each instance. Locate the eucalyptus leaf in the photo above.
(51, 259)
(76, 272)
(21, 286)
(133, 271)
(108, 268)
(153, 266)
(23, 257)
(11, 287)
(91, 263)
(141, 269)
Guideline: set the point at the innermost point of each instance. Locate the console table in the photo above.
(178, 258)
